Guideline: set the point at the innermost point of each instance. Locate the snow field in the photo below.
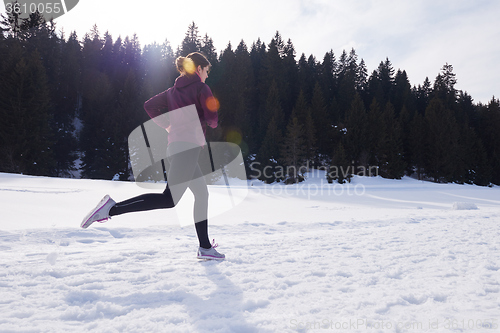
(398, 258)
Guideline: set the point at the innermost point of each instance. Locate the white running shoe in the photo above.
(211, 253)
(100, 213)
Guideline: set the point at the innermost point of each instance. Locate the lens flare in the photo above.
(212, 104)
(189, 66)
(234, 136)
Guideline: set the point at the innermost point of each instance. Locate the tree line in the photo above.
(62, 98)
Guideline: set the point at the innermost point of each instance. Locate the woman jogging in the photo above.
(184, 147)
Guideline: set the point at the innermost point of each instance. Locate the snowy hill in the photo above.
(375, 255)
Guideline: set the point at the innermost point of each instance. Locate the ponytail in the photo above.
(187, 65)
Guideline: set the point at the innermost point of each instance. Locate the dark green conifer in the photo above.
(442, 142)
(26, 139)
(293, 152)
(356, 139)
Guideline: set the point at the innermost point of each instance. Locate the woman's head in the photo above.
(194, 63)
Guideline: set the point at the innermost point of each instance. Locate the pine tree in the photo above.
(381, 83)
(280, 45)
(342, 64)
(208, 49)
(258, 94)
(322, 123)
(10, 24)
(472, 162)
(418, 144)
(300, 108)
(131, 56)
(444, 86)
(313, 69)
(192, 41)
(310, 137)
(404, 120)
(340, 170)
(423, 95)
(390, 149)
(25, 135)
(243, 84)
(98, 133)
(361, 77)
(233, 82)
(91, 59)
(442, 141)
(327, 79)
(32, 25)
(270, 73)
(65, 99)
(108, 63)
(347, 77)
(104, 127)
(4, 27)
(357, 132)
(302, 112)
(306, 74)
(61, 61)
(155, 73)
(375, 132)
(223, 88)
(465, 110)
(269, 154)
(293, 151)
(386, 76)
(352, 67)
(490, 127)
(62, 66)
(272, 109)
(272, 65)
(402, 92)
(158, 64)
(291, 81)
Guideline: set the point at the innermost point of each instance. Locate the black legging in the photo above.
(184, 172)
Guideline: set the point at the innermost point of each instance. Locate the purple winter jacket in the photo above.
(187, 90)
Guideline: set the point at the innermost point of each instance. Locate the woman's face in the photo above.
(203, 73)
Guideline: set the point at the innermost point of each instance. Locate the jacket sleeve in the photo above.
(210, 106)
(154, 106)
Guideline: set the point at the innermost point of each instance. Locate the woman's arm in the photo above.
(210, 106)
(153, 107)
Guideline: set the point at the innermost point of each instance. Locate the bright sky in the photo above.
(417, 36)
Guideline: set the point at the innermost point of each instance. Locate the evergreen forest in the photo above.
(65, 98)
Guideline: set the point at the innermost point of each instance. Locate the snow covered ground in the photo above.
(375, 255)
